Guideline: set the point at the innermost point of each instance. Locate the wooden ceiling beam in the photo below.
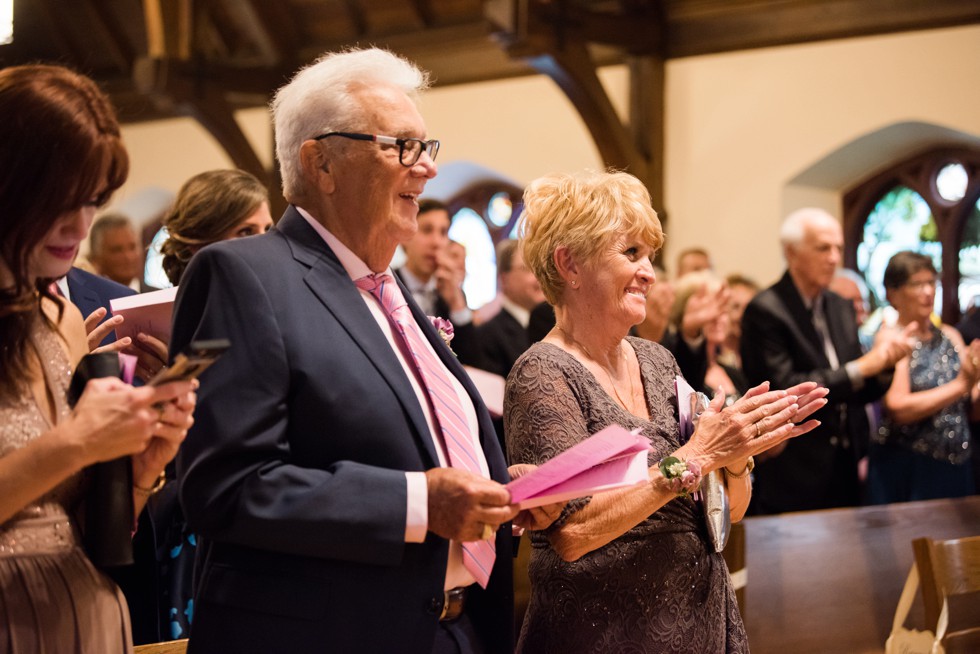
(205, 102)
(116, 41)
(699, 27)
(281, 30)
(169, 28)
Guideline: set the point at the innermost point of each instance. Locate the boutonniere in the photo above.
(683, 477)
(445, 329)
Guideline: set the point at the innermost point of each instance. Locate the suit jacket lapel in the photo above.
(801, 317)
(330, 283)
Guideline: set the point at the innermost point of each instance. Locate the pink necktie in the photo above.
(478, 556)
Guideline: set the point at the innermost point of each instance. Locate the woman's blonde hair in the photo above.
(583, 212)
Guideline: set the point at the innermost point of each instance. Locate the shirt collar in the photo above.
(351, 262)
(414, 284)
(520, 314)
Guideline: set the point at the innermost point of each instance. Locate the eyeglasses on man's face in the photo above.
(409, 150)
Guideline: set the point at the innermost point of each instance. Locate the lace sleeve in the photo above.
(543, 413)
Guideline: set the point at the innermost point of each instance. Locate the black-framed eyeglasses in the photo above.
(409, 150)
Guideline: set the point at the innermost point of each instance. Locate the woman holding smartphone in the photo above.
(62, 158)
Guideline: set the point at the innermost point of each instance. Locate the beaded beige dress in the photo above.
(52, 599)
(658, 588)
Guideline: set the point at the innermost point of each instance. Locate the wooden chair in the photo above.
(166, 647)
(951, 569)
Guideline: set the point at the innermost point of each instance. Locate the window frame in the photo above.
(918, 173)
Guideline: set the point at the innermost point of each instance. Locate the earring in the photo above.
(573, 282)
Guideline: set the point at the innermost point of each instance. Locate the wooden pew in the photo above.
(829, 581)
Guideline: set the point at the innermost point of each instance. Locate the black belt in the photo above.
(453, 602)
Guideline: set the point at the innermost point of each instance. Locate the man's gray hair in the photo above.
(106, 222)
(318, 100)
(793, 229)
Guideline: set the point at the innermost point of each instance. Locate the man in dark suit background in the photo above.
(504, 338)
(797, 330)
(318, 471)
(435, 280)
(90, 292)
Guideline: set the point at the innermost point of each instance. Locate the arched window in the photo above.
(929, 203)
(483, 215)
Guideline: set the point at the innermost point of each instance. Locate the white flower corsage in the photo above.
(683, 477)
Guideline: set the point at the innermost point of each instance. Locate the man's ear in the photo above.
(316, 165)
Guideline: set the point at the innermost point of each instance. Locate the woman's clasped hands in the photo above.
(760, 420)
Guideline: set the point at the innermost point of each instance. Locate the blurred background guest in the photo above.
(434, 276)
(660, 300)
(54, 599)
(115, 251)
(922, 450)
(629, 570)
(504, 337)
(213, 206)
(692, 260)
(797, 330)
(741, 290)
(718, 376)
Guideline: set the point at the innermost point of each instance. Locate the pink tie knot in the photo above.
(373, 281)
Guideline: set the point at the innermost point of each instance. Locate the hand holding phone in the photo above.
(192, 361)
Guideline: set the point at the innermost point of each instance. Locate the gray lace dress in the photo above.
(52, 599)
(658, 587)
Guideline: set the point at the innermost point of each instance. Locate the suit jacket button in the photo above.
(435, 605)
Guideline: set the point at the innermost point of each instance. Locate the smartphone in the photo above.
(192, 361)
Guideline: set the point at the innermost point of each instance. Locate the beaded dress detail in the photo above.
(52, 599)
(945, 435)
(657, 588)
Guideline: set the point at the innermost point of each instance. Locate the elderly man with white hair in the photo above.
(343, 473)
(798, 330)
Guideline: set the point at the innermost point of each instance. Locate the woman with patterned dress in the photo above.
(61, 157)
(922, 449)
(629, 570)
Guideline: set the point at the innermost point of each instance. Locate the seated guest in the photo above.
(797, 330)
(342, 472)
(922, 450)
(53, 597)
(213, 206)
(630, 570)
(718, 376)
(504, 337)
(434, 278)
(115, 251)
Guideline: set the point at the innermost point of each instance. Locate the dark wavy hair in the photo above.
(207, 206)
(61, 148)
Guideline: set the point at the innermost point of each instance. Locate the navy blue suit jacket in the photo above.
(294, 470)
(90, 292)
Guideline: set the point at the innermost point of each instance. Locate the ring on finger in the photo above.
(758, 429)
(488, 531)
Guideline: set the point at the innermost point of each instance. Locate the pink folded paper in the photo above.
(149, 313)
(609, 459)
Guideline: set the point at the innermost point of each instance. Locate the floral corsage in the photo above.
(683, 477)
(445, 329)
